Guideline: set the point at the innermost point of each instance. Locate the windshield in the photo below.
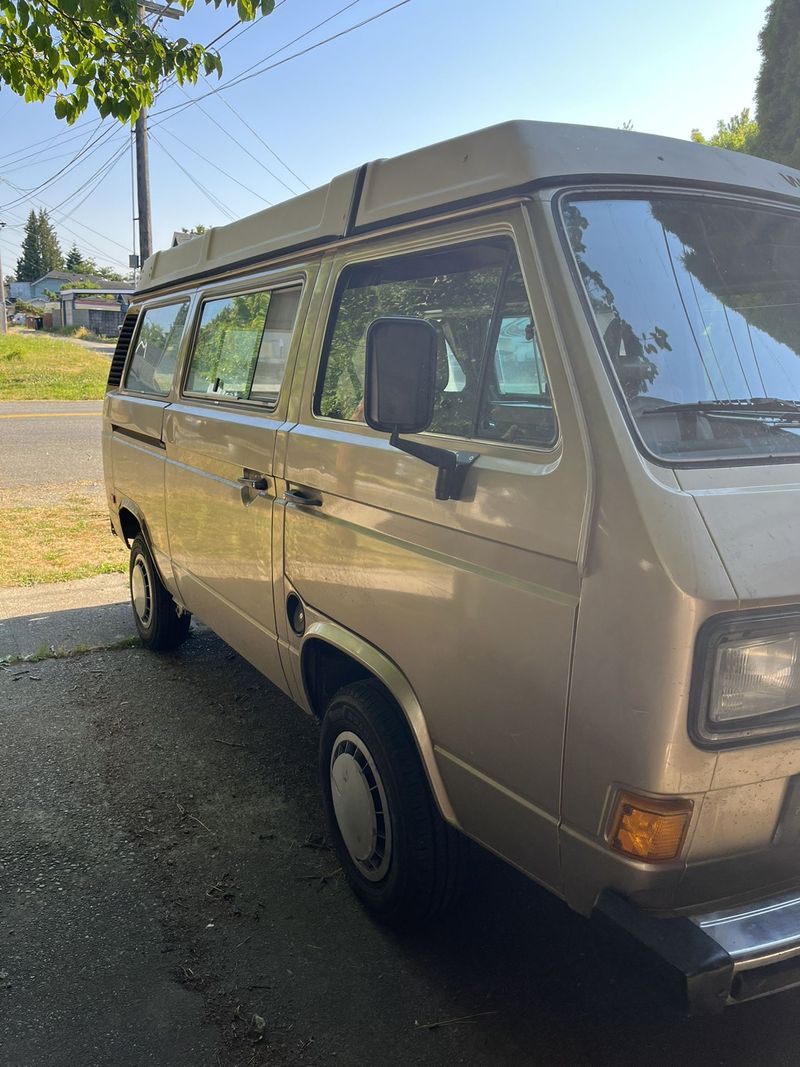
(697, 301)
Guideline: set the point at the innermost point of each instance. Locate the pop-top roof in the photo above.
(506, 158)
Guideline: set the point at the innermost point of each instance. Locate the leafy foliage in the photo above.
(99, 51)
(80, 264)
(777, 98)
(739, 134)
(40, 248)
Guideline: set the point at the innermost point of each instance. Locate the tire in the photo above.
(402, 860)
(155, 613)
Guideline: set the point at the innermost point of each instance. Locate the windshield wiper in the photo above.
(757, 406)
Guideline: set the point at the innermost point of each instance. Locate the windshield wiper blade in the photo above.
(751, 405)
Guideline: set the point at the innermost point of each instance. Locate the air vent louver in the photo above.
(121, 351)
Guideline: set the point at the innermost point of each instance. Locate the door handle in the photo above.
(296, 496)
(256, 481)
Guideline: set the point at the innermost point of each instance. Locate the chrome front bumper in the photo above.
(716, 958)
(762, 940)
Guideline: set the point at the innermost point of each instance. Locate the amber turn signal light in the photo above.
(648, 829)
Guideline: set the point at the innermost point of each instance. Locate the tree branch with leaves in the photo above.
(100, 52)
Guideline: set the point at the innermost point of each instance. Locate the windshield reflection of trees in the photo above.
(748, 259)
(629, 350)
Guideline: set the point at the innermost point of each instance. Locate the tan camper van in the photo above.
(489, 456)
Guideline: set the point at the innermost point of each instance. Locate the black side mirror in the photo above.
(400, 392)
(400, 377)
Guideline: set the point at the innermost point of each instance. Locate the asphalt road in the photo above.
(166, 898)
(49, 441)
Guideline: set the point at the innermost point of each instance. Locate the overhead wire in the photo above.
(94, 142)
(246, 150)
(245, 76)
(97, 137)
(217, 167)
(244, 122)
(217, 203)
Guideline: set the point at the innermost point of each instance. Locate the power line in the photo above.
(231, 177)
(177, 108)
(53, 137)
(227, 132)
(100, 174)
(258, 136)
(237, 142)
(92, 144)
(206, 192)
(299, 37)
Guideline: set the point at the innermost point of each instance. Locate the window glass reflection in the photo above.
(698, 304)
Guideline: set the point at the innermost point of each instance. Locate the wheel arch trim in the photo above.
(389, 674)
(125, 503)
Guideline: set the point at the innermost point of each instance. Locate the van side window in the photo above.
(152, 365)
(242, 345)
(491, 381)
(517, 406)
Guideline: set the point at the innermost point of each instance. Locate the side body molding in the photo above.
(398, 685)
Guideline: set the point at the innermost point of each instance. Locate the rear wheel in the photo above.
(155, 613)
(399, 856)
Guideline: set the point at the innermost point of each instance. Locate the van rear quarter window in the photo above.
(491, 381)
(697, 302)
(152, 365)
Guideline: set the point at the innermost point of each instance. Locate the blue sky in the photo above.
(425, 71)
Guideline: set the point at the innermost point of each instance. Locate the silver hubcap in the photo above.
(359, 802)
(141, 596)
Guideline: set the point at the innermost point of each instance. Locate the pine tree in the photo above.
(30, 263)
(74, 258)
(52, 257)
(777, 98)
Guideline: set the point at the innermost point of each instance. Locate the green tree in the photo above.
(99, 51)
(74, 259)
(52, 256)
(80, 264)
(777, 97)
(30, 262)
(740, 134)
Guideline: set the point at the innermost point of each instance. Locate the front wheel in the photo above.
(155, 613)
(399, 856)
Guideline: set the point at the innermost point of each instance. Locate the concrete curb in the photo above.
(91, 612)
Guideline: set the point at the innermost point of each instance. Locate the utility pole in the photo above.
(142, 154)
(143, 187)
(3, 323)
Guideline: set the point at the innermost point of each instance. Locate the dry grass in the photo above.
(58, 542)
(49, 368)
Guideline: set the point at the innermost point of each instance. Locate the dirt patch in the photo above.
(69, 538)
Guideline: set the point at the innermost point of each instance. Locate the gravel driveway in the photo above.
(166, 897)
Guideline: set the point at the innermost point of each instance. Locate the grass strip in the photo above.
(48, 368)
(45, 652)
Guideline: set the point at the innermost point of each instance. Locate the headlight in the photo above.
(747, 679)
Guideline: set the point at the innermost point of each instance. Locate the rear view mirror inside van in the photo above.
(400, 378)
(400, 393)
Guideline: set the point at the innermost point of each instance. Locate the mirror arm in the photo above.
(453, 466)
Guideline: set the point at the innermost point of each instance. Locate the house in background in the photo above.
(99, 310)
(54, 280)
